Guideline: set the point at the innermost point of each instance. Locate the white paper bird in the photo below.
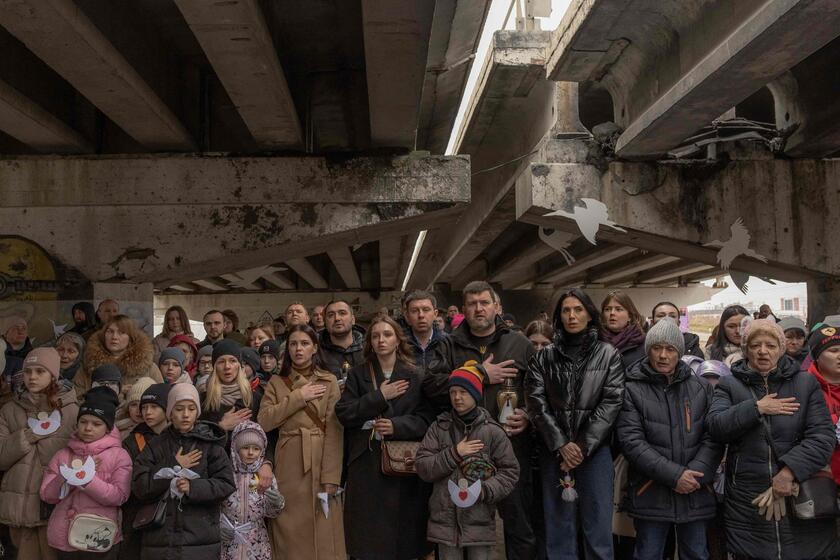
(558, 240)
(737, 245)
(463, 494)
(45, 424)
(58, 330)
(589, 217)
(78, 473)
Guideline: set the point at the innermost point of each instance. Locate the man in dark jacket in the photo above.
(84, 319)
(340, 344)
(666, 309)
(574, 391)
(502, 355)
(662, 433)
(424, 337)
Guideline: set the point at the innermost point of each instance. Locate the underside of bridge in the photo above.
(242, 149)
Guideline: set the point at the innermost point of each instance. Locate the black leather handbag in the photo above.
(150, 516)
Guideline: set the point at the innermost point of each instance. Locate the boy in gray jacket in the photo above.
(470, 460)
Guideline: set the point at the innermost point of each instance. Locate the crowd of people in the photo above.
(597, 433)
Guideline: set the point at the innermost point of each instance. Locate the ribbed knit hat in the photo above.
(270, 347)
(793, 323)
(822, 339)
(157, 394)
(665, 332)
(470, 378)
(102, 403)
(204, 351)
(227, 347)
(181, 392)
(252, 358)
(172, 353)
(250, 434)
(47, 358)
(138, 389)
(106, 372)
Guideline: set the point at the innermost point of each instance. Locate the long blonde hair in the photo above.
(213, 397)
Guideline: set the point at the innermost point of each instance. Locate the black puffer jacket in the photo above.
(337, 360)
(805, 442)
(692, 345)
(191, 530)
(460, 347)
(662, 432)
(575, 399)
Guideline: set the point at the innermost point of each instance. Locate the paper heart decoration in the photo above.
(45, 424)
(78, 473)
(464, 495)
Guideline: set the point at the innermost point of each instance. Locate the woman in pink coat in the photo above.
(91, 477)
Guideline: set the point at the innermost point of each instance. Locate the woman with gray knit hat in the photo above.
(777, 425)
(662, 433)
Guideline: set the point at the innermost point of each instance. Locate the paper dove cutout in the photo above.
(589, 217)
(506, 411)
(45, 424)
(78, 473)
(462, 495)
(240, 532)
(175, 473)
(324, 498)
(559, 241)
(737, 245)
(58, 330)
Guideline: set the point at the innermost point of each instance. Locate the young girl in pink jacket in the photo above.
(88, 481)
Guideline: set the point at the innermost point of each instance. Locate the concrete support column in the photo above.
(823, 298)
(566, 111)
(135, 300)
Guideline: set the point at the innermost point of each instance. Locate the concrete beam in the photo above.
(237, 41)
(639, 264)
(61, 35)
(456, 31)
(396, 39)
(280, 281)
(220, 180)
(308, 273)
(675, 210)
(506, 119)
(671, 272)
(672, 68)
(519, 257)
(211, 285)
(342, 259)
(578, 268)
(390, 251)
(28, 122)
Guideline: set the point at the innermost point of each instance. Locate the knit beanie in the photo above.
(823, 339)
(181, 392)
(250, 434)
(102, 403)
(470, 378)
(106, 372)
(204, 351)
(47, 358)
(666, 333)
(172, 353)
(157, 394)
(252, 358)
(138, 389)
(227, 347)
(753, 328)
(270, 347)
(793, 323)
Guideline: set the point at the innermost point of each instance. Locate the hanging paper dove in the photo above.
(737, 245)
(45, 424)
(463, 494)
(589, 218)
(557, 240)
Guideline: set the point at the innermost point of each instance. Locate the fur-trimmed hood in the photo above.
(134, 363)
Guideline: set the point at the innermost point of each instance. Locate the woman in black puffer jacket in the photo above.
(574, 390)
(768, 386)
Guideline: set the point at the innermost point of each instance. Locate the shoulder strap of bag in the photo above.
(140, 440)
(372, 377)
(765, 423)
(308, 409)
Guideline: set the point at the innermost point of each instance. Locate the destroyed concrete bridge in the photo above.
(260, 152)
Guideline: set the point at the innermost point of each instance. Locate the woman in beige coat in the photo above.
(26, 449)
(119, 342)
(300, 404)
